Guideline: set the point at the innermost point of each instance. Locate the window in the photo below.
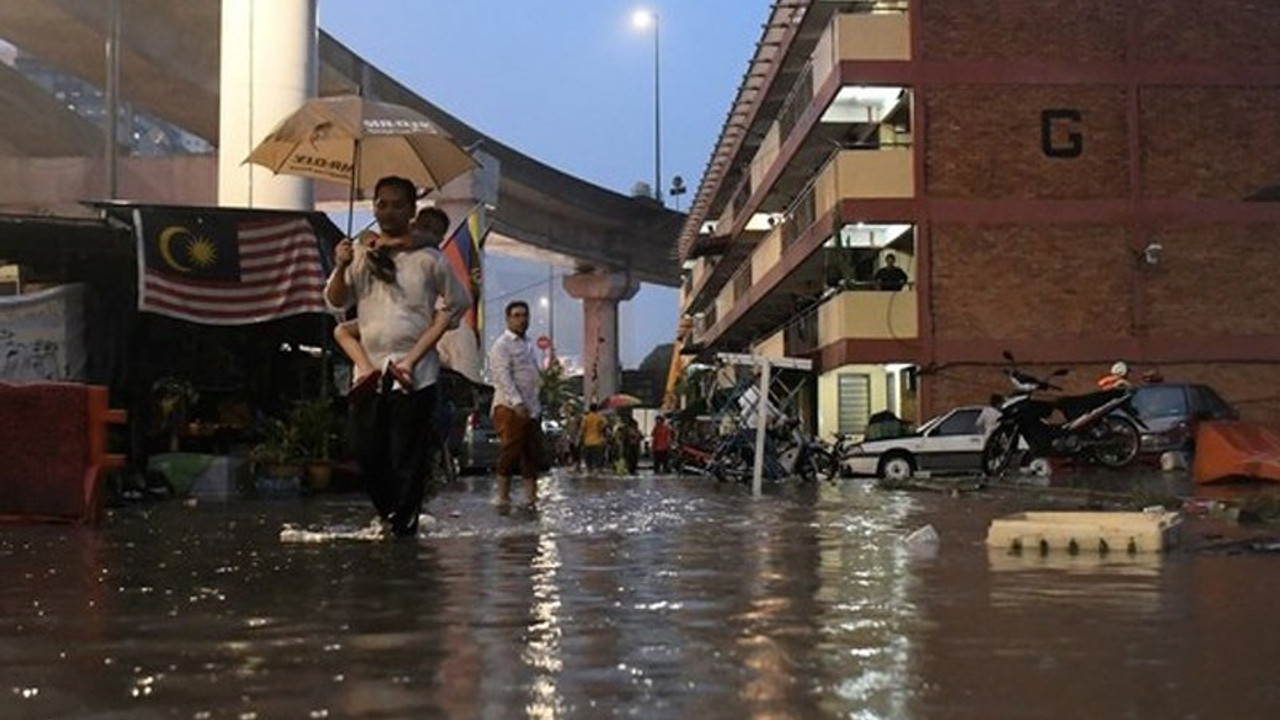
(853, 402)
(1209, 403)
(960, 422)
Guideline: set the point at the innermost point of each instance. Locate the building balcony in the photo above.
(868, 315)
(863, 36)
(865, 174)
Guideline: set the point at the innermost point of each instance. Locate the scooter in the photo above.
(804, 456)
(1100, 427)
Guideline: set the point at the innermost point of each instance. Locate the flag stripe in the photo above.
(244, 316)
(219, 309)
(234, 294)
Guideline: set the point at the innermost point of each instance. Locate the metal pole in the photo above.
(762, 426)
(657, 118)
(551, 307)
(112, 97)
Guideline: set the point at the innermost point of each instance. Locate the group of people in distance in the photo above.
(596, 442)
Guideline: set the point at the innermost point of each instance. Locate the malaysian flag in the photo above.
(228, 267)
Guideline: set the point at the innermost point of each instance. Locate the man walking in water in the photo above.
(405, 297)
(517, 410)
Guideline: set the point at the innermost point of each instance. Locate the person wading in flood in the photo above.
(517, 410)
(405, 297)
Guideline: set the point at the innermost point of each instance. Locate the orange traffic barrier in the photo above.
(1236, 450)
(54, 454)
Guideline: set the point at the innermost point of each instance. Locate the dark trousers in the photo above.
(391, 439)
(661, 461)
(521, 443)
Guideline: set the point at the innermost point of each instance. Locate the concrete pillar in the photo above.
(268, 69)
(600, 293)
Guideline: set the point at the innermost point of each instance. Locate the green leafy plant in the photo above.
(554, 391)
(279, 445)
(314, 425)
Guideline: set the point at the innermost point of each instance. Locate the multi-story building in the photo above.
(1076, 181)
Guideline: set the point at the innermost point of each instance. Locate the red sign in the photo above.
(544, 342)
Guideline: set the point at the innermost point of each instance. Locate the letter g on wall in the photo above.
(1074, 145)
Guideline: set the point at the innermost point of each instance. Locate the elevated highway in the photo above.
(169, 54)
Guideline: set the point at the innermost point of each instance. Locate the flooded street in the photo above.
(650, 598)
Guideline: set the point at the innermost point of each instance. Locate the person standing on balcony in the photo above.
(890, 277)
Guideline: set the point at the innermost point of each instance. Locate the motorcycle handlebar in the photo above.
(1019, 377)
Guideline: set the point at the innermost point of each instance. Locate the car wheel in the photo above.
(897, 467)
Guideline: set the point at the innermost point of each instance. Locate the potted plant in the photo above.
(275, 458)
(314, 425)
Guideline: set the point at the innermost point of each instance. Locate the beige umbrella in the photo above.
(351, 139)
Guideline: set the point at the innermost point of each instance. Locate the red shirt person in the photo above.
(660, 444)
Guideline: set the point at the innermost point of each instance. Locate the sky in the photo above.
(570, 83)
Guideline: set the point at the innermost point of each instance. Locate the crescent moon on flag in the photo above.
(166, 236)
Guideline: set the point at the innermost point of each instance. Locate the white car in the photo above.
(948, 443)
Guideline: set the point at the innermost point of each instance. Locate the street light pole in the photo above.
(657, 118)
(643, 19)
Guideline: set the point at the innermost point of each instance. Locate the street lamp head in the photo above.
(644, 18)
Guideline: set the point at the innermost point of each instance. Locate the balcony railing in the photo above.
(741, 282)
(859, 313)
(798, 100)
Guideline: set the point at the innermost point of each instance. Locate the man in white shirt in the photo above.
(405, 297)
(517, 411)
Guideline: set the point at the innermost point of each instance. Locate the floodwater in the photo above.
(649, 598)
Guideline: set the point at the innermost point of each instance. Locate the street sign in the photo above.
(544, 342)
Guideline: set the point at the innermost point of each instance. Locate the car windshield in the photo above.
(1160, 401)
(929, 424)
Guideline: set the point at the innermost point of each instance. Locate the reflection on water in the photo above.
(652, 598)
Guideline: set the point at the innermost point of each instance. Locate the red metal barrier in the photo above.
(53, 451)
(1236, 450)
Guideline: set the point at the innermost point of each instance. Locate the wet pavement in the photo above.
(650, 598)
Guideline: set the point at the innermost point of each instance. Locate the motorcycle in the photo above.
(788, 452)
(1099, 427)
(804, 456)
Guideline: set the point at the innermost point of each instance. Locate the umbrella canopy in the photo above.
(621, 400)
(351, 139)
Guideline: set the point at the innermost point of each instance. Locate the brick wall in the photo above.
(1241, 31)
(1070, 30)
(1030, 282)
(1168, 31)
(1210, 142)
(1214, 280)
(985, 142)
